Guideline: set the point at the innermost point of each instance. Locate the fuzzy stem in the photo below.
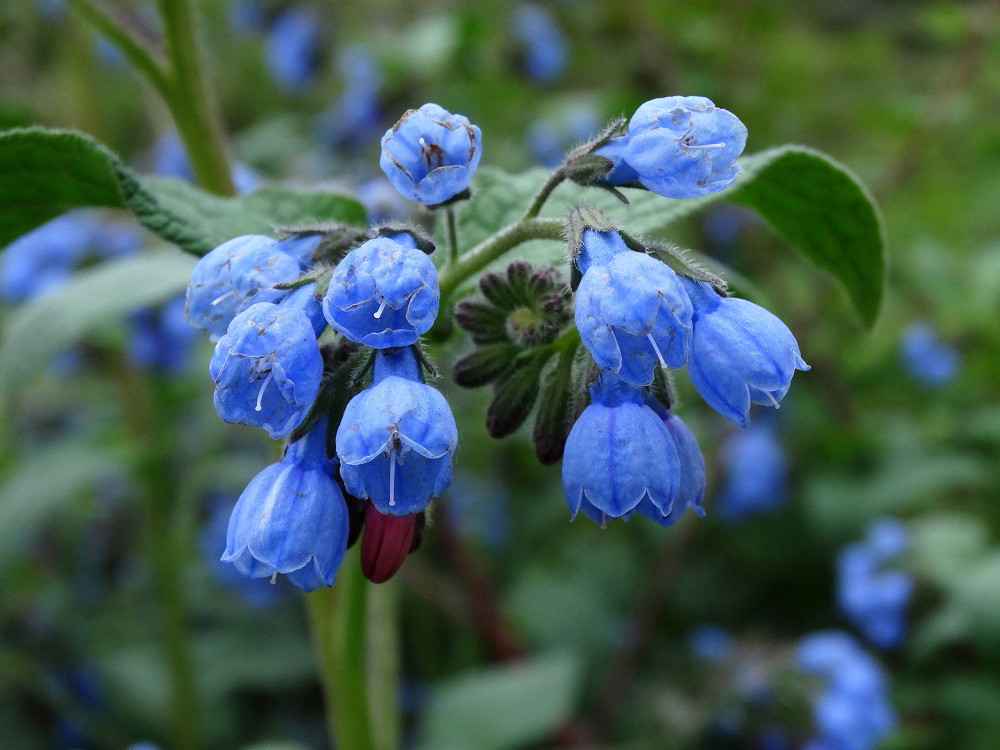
(452, 227)
(554, 180)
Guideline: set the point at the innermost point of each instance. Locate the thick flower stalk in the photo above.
(396, 438)
(291, 519)
(430, 155)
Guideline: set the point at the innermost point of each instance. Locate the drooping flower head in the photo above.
(430, 155)
(232, 276)
(396, 438)
(618, 454)
(383, 294)
(740, 353)
(291, 518)
(267, 369)
(678, 147)
(632, 313)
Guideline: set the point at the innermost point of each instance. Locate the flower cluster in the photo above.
(852, 709)
(635, 315)
(870, 596)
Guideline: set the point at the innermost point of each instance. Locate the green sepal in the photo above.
(484, 365)
(556, 408)
(515, 395)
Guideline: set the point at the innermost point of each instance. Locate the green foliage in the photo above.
(44, 173)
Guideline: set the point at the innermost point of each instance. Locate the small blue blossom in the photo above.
(396, 438)
(161, 337)
(267, 369)
(430, 155)
(232, 276)
(618, 454)
(678, 147)
(740, 353)
(632, 312)
(852, 710)
(300, 247)
(545, 49)
(45, 257)
(870, 596)
(755, 471)
(354, 116)
(927, 359)
(292, 49)
(710, 642)
(383, 294)
(691, 488)
(291, 518)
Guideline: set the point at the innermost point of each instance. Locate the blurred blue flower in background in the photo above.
(545, 47)
(927, 359)
(755, 471)
(870, 596)
(162, 339)
(851, 711)
(549, 139)
(45, 257)
(478, 507)
(709, 642)
(382, 201)
(245, 15)
(170, 159)
(293, 47)
(354, 116)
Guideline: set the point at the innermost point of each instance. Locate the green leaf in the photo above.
(813, 201)
(502, 707)
(48, 324)
(43, 485)
(44, 173)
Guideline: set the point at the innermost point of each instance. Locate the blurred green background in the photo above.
(514, 623)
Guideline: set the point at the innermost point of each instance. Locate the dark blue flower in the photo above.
(710, 642)
(633, 314)
(740, 353)
(927, 359)
(234, 275)
(618, 454)
(396, 438)
(383, 294)
(292, 50)
(691, 488)
(430, 155)
(161, 338)
(755, 472)
(544, 44)
(678, 147)
(870, 596)
(291, 518)
(267, 369)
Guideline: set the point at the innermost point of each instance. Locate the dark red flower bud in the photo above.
(385, 543)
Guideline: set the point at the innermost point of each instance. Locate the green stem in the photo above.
(554, 180)
(383, 664)
(188, 99)
(337, 619)
(487, 251)
(452, 236)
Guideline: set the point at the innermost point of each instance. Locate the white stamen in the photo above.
(221, 297)
(422, 142)
(656, 349)
(274, 578)
(709, 145)
(774, 403)
(260, 393)
(381, 308)
(392, 477)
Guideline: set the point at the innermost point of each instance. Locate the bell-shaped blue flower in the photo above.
(633, 314)
(293, 47)
(691, 487)
(291, 518)
(430, 155)
(267, 369)
(383, 294)
(678, 147)
(232, 276)
(396, 438)
(300, 247)
(740, 353)
(619, 453)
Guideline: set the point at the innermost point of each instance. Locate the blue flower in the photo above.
(382, 201)
(161, 337)
(632, 313)
(383, 294)
(45, 257)
(710, 642)
(293, 46)
(869, 595)
(354, 116)
(755, 472)
(691, 488)
(926, 358)
(678, 147)
(549, 139)
(740, 353)
(267, 369)
(852, 710)
(430, 155)
(232, 276)
(300, 247)
(618, 454)
(545, 45)
(169, 159)
(291, 518)
(396, 438)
